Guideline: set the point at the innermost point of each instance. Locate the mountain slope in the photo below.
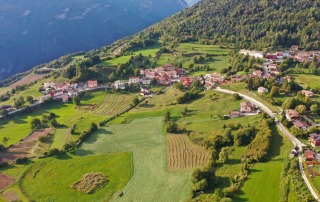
(247, 23)
(37, 31)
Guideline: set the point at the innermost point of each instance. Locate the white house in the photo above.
(72, 92)
(48, 84)
(262, 90)
(145, 81)
(44, 98)
(134, 80)
(120, 84)
(255, 54)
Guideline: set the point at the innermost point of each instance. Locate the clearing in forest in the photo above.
(183, 154)
(151, 180)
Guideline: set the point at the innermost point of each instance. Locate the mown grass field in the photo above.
(61, 136)
(264, 181)
(183, 154)
(150, 181)
(50, 179)
(307, 80)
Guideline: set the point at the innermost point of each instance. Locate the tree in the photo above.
(184, 112)
(54, 123)
(35, 122)
(236, 97)
(29, 99)
(5, 140)
(135, 100)
(76, 100)
(136, 71)
(153, 81)
(112, 77)
(167, 116)
(94, 127)
(4, 113)
(224, 155)
(301, 109)
(70, 146)
(274, 91)
(314, 108)
(171, 127)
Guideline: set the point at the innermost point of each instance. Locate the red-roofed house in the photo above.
(65, 98)
(186, 81)
(56, 93)
(257, 73)
(247, 107)
(301, 125)
(314, 139)
(309, 155)
(292, 115)
(92, 83)
(307, 93)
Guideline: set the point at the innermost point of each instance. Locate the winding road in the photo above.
(291, 137)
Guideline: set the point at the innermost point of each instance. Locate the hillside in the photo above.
(246, 23)
(41, 30)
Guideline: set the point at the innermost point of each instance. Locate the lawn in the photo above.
(61, 136)
(307, 80)
(265, 178)
(151, 181)
(50, 179)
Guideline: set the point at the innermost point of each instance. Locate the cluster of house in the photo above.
(65, 90)
(294, 53)
(164, 75)
(294, 116)
(245, 109)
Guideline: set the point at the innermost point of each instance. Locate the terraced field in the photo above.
(183, 154)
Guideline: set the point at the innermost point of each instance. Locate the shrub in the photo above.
(4, 164)
(54, 152)
(22, 160)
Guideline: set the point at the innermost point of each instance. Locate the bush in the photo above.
(43, 139)
(171, 127)
(4, 164)
(2, 147)
(22, 160)
(54, 152)
(70, 146)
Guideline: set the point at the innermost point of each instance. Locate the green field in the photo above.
(265, 178)
(307, 80)
(61, 136)
(240, 87)
(18, 127)
(50, 179)
(150, 181)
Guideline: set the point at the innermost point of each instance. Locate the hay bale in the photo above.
(90, 183)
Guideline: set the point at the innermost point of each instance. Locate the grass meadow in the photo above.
(144, 138)
(50, 179)
(307, 80)
(264, 183)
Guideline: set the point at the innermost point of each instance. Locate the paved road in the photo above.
(291, 137)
